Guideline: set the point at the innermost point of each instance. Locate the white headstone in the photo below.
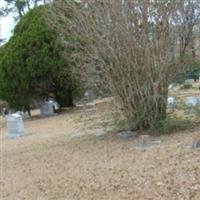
(89, 94)
(15, 127)
(170, 86)
(189, 82)
(46, 108)
(192, 101)
(171, 102)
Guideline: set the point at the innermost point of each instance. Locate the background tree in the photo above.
(32, 65)
(186, 24)
(187, 18)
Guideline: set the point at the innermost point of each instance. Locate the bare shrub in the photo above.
(131, 44)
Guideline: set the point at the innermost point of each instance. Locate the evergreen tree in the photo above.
(32, 65)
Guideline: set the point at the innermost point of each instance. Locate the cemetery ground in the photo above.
(77, 155)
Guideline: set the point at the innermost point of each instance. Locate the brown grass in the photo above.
(61, 158)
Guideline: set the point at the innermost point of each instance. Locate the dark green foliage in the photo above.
(32, 64)
(170, 125)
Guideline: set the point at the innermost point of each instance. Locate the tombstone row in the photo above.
(15, 127)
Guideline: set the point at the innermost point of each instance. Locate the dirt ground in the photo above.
(76, 155)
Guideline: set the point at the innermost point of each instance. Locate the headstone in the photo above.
(171, 102)
(15, 127)
(126, 134)
(170, 87)
(89, 95)
(145, 142)
(192, 101)
(99, 132)
(196, 144)
(189, 82)
(47, 108)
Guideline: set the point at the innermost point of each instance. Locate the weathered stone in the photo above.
(192, 101)
(47, 108)
(15, 127)
(89, 95)
(196, 144)
(100, 132)
(145, 142)
(126, 134)
(171, 102)
(189, 82)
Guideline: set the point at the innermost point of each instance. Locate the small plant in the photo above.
(169, 125)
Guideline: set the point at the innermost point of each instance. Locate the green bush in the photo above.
(169, 125)
(32, 64)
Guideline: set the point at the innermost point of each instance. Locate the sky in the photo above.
(7, 24)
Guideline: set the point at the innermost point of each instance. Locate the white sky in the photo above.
(7, 24)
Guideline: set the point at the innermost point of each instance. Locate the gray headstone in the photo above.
(196, 144)
(192, 101)
(99, 132)
(89, 95)
(46, 108)
(145, 142)
(126, 134)
(15, 127)
(189, 82)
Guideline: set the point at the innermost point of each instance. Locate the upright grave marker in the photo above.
(47, 108)
(15, 126)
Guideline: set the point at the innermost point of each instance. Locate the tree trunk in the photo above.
(28, 109)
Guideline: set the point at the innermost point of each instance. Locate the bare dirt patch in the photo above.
(64, 158)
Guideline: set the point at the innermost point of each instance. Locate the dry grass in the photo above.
(64, 158)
